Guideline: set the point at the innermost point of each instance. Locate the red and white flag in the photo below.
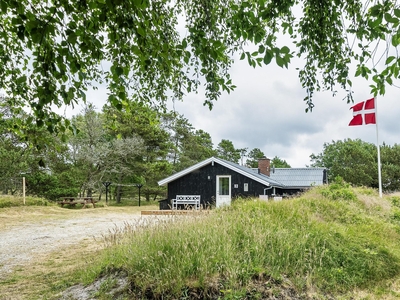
(363, 113)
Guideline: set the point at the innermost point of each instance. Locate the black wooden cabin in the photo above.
(218, 181)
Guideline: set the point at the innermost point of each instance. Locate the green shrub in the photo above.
(395, 200)
(50, 187)
(339, 189)
(6, 203)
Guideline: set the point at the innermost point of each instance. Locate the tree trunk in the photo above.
(119, 193)
(119, 189)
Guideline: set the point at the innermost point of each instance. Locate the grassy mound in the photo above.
(331, 241)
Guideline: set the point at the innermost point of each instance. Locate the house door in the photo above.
(223, 191)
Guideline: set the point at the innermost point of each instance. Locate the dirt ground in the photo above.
(23, 240)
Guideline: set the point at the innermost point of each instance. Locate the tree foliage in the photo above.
(253, 157)
(226, 150)
(279, 163)
(135, 145)
(51, 51)
(356, 162)
(390, 159)
(353, 160)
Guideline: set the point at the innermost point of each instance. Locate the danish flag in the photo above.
(363, 113)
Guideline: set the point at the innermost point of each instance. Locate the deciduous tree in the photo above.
(390, 159)
(100, 155)
(51, 51)
(353, 160)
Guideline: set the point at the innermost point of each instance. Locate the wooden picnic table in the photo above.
(77, 200)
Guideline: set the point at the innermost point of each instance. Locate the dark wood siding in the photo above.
(203, 182)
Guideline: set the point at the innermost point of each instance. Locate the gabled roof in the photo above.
(263, 179)
(298, 177)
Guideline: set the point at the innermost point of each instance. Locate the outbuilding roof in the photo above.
(298, 177)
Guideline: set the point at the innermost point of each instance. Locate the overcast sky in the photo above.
(267, 111)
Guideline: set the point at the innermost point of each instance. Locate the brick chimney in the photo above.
(264, 166)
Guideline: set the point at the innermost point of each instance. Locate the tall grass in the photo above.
(12, 201)
(331, 244)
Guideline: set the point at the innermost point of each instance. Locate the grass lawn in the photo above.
(334, 242)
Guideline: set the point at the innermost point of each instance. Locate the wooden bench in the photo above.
(77, 200)
(187, 200)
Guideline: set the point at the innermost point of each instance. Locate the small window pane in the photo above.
(224, 186)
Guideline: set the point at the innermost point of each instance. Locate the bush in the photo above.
(50, 187)
(395, 201)
(339, 189)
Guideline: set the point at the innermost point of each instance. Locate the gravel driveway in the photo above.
(23, 242)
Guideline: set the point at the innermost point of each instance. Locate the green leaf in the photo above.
(389, 60)
(390, 19)
(36, 37)
(395, 40)
(397, 12)
(71, 93)
(64, 138)
(3, 5)
(279, 61)
(184, 43)
(21, 79)
(141, 3)
(141, 31)
(268, 57)
(71, 37)
(115, 102)
(375, 23)
(122, 95)
(285, 49)
(258, 37)
(349, 82)
(358, 72)
(375, 10)
(119, 71)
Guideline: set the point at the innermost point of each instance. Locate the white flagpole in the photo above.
(377, 147)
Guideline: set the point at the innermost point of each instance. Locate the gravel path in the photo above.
(23, 242)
